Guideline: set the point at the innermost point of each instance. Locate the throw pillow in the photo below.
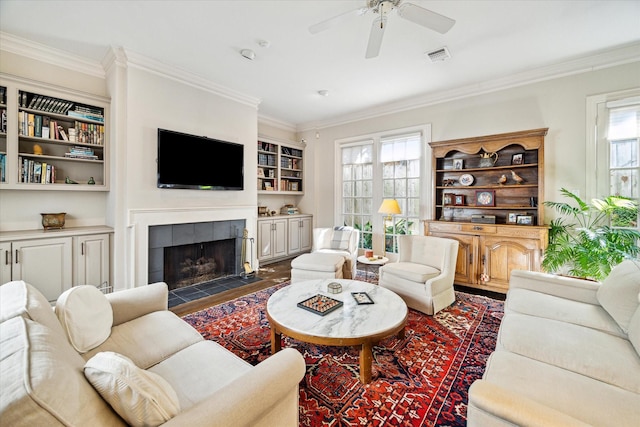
(86, 316)
(619, 291)
(140, 397)
(340, 238)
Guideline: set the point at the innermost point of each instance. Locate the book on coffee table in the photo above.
(320, 304)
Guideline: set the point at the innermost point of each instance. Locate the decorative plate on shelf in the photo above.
(466, 179)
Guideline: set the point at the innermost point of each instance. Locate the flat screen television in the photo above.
(198, 162)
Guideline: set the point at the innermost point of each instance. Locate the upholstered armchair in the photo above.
(424, 273)
(339, 240)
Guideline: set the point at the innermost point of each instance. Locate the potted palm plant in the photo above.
(588, 239)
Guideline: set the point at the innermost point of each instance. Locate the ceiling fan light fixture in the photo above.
(439, 54)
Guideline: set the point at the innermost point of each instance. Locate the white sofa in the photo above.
(567, 354)
(341, 241)
(51, 362)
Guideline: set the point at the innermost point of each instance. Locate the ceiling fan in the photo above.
(409, 11)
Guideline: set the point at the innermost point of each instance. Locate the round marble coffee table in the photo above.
(350, 324)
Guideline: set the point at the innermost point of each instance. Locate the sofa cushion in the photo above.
(149, 339)
(579, 349)
(86, 316)
(142, 398)
(22, 299)
(193, 376)
(42, 382)
(318, 261)
(634, 330)
(526, 301)
(591, 401)
(619, 292)
(414, 272)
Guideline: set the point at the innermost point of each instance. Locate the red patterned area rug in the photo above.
(421, 380)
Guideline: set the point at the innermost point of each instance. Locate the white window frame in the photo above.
(377, 220)
(597, 158)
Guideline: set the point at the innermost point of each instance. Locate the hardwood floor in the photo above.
(273, 274)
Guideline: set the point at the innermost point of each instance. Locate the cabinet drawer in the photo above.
(479, 228)
(442, 226)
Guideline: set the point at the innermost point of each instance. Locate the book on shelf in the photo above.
(3, 167)
(62, 133)
(3, 124)
(3, 95)
(37, 124)
(81, 115)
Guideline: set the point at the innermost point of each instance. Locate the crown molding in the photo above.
(50, 55)
(277, 123)
(120, 56)
(624, 54)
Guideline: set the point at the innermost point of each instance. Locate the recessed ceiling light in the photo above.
(264, 43)
(248, 53)
(323, 92)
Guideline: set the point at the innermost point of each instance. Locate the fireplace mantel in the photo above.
(139, 221)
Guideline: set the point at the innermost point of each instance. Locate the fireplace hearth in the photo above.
(196, 263)
(183, 255)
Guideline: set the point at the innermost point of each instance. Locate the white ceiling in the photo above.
(491, 42)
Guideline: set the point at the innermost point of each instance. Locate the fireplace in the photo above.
(187, 254)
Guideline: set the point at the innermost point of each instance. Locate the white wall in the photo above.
(558, 104)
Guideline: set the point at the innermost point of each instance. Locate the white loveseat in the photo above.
(567, 354)
(46, 359)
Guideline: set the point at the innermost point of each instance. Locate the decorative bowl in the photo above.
(53, 220)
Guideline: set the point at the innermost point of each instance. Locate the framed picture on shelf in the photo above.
(517, 159)
(485, 198)
(512, 217)
(524, 220)
(294, 186)
(458, 164)
(458, 199)
(260, 173)
(447, 199)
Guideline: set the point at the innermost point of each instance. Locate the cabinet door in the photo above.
(466, 264)
(5, 262)
(92, 260)
(45, 264)
(500, 255)
(306, 234)
(265, 244)
(279, 238)
(294, 235)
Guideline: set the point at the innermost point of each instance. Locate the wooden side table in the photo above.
(370, 264)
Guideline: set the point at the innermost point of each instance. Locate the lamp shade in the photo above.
(389, 207)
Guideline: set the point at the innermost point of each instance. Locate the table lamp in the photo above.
(388, 207)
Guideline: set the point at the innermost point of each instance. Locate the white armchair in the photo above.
(339, 240)
(424, 273)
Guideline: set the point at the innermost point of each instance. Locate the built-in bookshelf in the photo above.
(54, 139)
(280, 167)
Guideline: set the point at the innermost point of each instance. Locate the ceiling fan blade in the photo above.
(425, 17)
(375, 37)
(331, 22)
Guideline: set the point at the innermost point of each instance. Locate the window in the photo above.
(378, 167)
(400, 161)
(616, 156)
(357, 190)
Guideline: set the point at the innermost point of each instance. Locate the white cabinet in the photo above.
(272, 238)
(5, 262)
(284, 236)
(44, 263)
(91, 260)
(300, 237)
(53, 261)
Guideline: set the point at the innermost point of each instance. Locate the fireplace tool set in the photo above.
(247, 271)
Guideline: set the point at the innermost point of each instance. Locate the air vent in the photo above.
(439, 54)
